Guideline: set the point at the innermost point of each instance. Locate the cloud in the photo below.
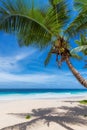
(10, 63)
(24, 55)
(36, 78)
(39, 80)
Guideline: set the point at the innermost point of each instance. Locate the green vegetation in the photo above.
(28, 117)
(83, 102)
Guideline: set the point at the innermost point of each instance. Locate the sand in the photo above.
(46, 114)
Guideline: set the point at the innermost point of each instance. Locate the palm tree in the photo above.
(40, 27)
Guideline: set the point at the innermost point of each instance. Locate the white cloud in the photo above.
(23, 55)
(36, 78)
(60, 80)
(11, 62)
(33, 78)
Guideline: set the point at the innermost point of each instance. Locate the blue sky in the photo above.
(24, 67)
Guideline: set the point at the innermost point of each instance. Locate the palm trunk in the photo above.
(76, 74)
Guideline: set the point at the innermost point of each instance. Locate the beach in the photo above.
(45, 114)
(43, 64)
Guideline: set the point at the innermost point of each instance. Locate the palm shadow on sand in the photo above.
(70, 115)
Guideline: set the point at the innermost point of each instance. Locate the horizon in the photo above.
(42, 89)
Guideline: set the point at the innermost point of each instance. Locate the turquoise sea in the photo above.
(12, 94)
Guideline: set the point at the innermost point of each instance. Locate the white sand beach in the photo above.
(46, 114)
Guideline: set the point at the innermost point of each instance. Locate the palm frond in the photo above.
(76, 56)
(27, 23)
(31, 24)
(79, 24)
(80, 4)
(61, 10)
(78, 42)
(47, 60)
(79, 49)
(54, 2)
(82, 41)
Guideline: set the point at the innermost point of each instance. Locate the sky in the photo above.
(23, 67)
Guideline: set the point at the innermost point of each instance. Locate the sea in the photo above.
(12, 94)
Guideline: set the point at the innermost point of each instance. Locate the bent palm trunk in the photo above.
(76, 73)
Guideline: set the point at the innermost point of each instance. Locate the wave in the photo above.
(48, 95)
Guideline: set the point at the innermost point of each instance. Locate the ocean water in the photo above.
(12, 94)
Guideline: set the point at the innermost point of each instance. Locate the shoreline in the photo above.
(13, 113)
(42, 96)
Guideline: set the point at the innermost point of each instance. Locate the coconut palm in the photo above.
(40, 27)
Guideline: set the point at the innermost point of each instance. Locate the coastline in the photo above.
(46, 114)
(18, 94)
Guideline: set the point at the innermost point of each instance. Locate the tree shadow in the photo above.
(68, 115)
